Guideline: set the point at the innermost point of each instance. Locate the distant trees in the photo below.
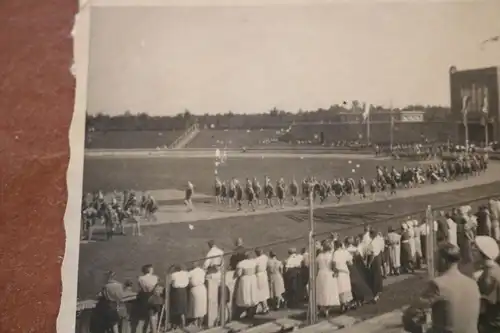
(274, 118)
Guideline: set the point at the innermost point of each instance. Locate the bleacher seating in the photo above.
(209, 138)
(131, 139)
(379, 132)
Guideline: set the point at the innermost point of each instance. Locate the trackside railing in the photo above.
(220, 284)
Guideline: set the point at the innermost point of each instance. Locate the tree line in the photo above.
(274, 118)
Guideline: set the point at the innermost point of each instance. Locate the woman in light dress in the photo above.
(246, 292)
(197, 295)
(374, 263)
(342, 259)
(263, 294)
(327, 295)
(394, 240)
(276, 283)
(406, 257)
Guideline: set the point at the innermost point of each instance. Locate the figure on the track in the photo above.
(257, 190)
(305, 189)
(269, 192)
(294, 189)
(393, 185)
(337, 189)
(362, 188)
(231, 193)
(150, 208)
(239, 194)
(218, 190)
(373, 188)
(280, 192)
(188, 201)
(250, 194)
(322, 191)
(223, 192)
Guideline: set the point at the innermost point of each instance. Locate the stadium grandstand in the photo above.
(133, 139)
(332, 127)
(234, 138)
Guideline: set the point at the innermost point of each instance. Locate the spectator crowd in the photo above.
(349, 272)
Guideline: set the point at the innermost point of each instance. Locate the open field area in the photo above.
(163, 172)
(166, 244)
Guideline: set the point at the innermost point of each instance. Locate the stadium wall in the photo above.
(480, 85)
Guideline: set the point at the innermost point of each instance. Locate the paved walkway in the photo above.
(177, 213)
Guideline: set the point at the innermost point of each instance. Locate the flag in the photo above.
(366, 112)
(485, 109)
(485, 106)
(465, 108)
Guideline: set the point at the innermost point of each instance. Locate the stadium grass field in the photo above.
(166, 244)
(143, 173)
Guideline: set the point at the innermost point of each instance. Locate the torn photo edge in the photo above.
(74, 174)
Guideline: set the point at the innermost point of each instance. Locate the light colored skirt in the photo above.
(246, 291)
(412, 247)
(263, 293)
(344, 282)
(418, 246)
(327, 293)
(277, 285)
(198, 301)
(395, 255)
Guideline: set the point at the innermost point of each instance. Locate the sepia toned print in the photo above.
(293, 166)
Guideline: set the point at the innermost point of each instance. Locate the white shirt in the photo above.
(261, 262)
(293, 261)
(217, 261)
(180, 279)
(366, 238)
(452, 232)
(341, 257)
(376, 246)
(147, 282)
(197, 276)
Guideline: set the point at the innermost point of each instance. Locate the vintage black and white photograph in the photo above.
(295, 166)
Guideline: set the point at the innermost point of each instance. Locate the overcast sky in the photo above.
(249, 59)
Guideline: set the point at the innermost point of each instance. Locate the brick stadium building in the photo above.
(481, 87)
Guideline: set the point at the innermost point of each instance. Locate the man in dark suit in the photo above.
(453, 298)
(238, 255)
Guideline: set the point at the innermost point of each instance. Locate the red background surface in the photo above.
(36, 106)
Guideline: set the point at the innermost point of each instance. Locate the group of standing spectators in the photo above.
(465, 296)
(349, 273)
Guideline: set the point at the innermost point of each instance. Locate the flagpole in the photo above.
(466, 125)
(312, 260)
(486, 132)
(392, 126)
(368, 128)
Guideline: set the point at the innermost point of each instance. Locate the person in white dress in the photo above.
(276, 283)
(327, 295)
(411, 240)
(263, 293)
(342, 259)
(394, 240)
(197, 295)
(418, 244)
(452, 230)
(494, 207)
(245, 294)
